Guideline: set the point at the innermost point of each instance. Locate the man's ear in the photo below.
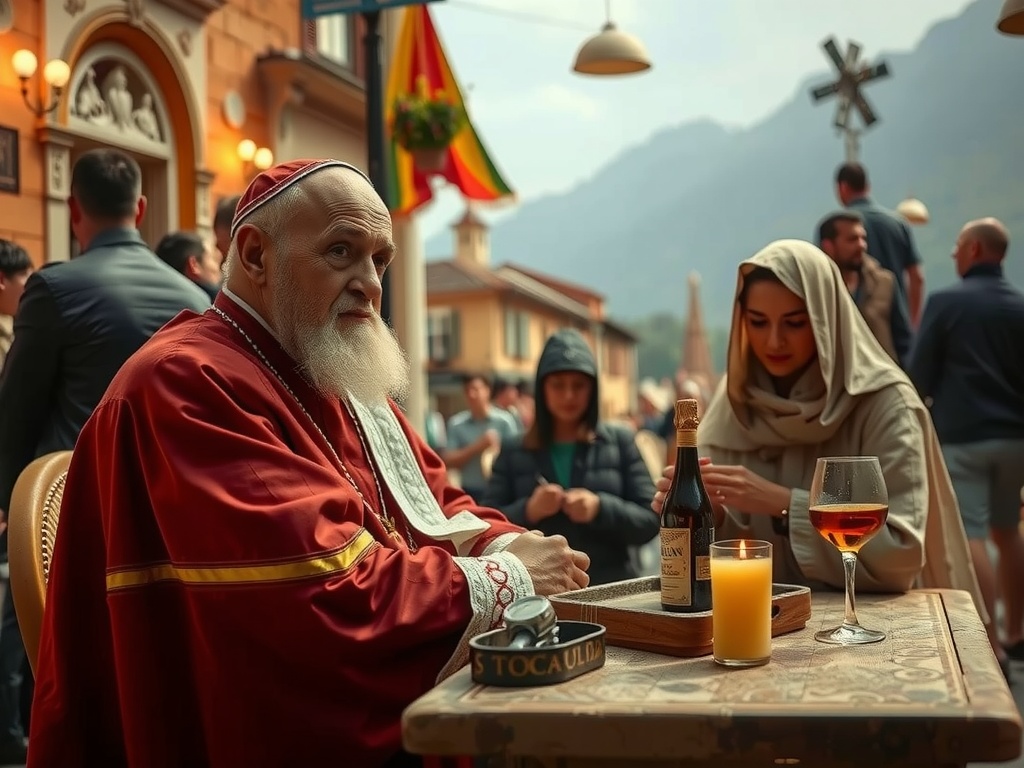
(140, 210)
(251, 242)
(192, 268)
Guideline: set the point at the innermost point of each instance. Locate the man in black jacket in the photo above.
(77, 323)
(968, 360)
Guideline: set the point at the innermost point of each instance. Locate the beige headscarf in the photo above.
(851, 363)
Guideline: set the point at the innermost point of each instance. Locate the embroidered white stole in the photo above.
(401, 473)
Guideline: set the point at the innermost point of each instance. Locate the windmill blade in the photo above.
(876, 72)
(842, 120)
(824, 91)
(866, 112)
(852, 54)
(833, 53)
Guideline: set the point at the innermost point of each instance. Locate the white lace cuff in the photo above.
(494, 582)
(500, 543)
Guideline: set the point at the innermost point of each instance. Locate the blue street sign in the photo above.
(312, 9)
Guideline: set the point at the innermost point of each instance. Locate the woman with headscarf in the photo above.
(573, 475)
(806, 378)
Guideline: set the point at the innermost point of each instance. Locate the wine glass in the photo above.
(848, 506)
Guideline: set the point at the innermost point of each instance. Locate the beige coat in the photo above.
(853, 402)
(877, 294)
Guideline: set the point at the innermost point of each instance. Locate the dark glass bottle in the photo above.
(687, 524)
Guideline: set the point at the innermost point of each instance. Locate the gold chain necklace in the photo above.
(386, 520)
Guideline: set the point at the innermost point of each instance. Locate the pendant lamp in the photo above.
(611, 52)
(1011, 18)
(914, 211)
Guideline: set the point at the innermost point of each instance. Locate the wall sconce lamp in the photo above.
(259, 158)
(56, 74)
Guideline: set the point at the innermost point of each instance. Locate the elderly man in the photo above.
(968, 360)
(260, 562)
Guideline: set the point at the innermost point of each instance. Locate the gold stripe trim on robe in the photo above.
(307, 568)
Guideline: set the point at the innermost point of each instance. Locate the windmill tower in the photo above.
(696, 354)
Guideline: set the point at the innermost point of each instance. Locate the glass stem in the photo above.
(850, 566)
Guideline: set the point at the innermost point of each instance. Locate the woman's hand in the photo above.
(743, 490)
(545, 501)
(581, 505)
(662, 486)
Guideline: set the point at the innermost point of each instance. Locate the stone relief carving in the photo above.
(136, 11)
(185, 42)
(119, 102)
(74, 7)
(58, 158)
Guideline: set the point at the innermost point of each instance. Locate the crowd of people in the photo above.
(253, 533)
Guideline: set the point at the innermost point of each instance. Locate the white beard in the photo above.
(361, 358)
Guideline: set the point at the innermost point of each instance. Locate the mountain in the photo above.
(700, 196)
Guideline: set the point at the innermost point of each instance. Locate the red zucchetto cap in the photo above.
(270, 183)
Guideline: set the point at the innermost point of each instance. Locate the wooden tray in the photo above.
(631, 612)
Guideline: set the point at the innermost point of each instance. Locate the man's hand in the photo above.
(581, 505)
(553, 566)
(545, 501)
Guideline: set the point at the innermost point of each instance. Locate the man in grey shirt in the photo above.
(475, 432)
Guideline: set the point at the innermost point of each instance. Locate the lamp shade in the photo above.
(263, 158)
(246, 150)
(913, 210)
(24, 63)
(1011, 18)
(57, 73)
(611, 52)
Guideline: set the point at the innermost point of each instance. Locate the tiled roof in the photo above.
(455, 276)
(452, 276)
(563, 286)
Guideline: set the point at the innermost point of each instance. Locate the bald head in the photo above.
(982, 241)
(991, 234)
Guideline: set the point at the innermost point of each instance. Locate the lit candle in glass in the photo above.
(741, 602)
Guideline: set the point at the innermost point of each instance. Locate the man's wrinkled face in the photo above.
(325, 278)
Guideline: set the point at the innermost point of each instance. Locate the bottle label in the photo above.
(675, 567)
(686, 438)
(703, 566)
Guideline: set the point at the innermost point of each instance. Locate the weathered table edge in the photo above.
(989, 731)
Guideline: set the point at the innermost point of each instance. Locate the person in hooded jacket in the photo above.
(572, 475)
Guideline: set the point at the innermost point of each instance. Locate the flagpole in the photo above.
(375, 138)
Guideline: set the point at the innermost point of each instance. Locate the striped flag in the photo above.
(420, 67)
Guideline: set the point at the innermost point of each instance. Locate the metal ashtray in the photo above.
(580, 648)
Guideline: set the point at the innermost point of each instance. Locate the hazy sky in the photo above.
(734, 61)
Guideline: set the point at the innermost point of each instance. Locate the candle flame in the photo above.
(743, 550)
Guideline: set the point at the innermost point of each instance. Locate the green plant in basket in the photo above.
(426, 123)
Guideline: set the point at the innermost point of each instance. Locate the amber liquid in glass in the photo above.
(848, 526)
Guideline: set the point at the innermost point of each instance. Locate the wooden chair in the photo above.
(652, 448)
(31, 534)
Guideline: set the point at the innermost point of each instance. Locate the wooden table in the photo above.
(931, 694)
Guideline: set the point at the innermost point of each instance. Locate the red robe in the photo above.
(219, 595)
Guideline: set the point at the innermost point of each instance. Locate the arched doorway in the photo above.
(129, 91)
(114, 101)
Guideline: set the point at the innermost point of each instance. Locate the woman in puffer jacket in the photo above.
(573, 475)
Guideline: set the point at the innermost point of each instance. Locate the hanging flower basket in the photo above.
(425, 127)
(430, 159)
